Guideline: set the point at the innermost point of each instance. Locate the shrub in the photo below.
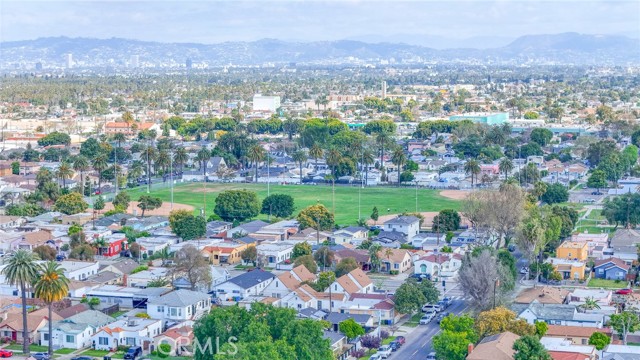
(164, 350)
(394, 272)
(358, 353)
(384, 334)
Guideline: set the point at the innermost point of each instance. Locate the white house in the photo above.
(354, 282)
(141, 279)
(275, 253)
(179, 305)
(350, 234)
(436, 265)
(408, 225)
(250, 283)
(75, 331)
(306, 297)
(127, 332)
(79, 270)
(560, 314)
(287, 282)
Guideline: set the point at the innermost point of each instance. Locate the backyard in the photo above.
(349, 201)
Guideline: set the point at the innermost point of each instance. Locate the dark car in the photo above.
(401, 340)
(442, 316)
(133, 352)
(82, 358)
(394, 345)
(40, 356)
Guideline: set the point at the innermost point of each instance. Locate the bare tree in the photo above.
(191, 265)
(480, 277)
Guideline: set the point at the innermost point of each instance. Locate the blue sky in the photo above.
(218, 21)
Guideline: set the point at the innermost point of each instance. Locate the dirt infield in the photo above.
(164, 210)
(454, 194)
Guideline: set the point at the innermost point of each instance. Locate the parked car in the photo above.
(133, 353)
(431, 356)
(40, 356)
(433, 307)
(5, 353)
(624, 292)
(384, 351)
(401, 340)
(426, 318)
(524, 270)
(442, 316)
(444, 303)
(394, 345)
(375, 356)
(82, 358)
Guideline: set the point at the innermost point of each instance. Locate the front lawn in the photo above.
(414, 321)
(607, 284)
(32, 347)
(64, 351)
(95, 353)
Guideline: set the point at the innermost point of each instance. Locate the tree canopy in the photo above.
(237, 205)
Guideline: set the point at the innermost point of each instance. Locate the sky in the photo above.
(304, 20)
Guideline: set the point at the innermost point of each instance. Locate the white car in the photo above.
(375, 356)
(524, 270)
(431, 307)
(427, 318)
(385, 351)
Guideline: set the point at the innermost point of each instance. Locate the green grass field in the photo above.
(606, 284)
(388, 200)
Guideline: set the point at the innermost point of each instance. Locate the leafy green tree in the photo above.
(556, 193)
(599, 340)
(351, 329)
(147, 202)
(308, 262)
(541, 136)
(237, 205)
(530, 149)
(453, 341)
(374, 214)
(324, 256)
(249, 255)
(624, 323)
(15, 168)
(122, 200)
(26, 209)
(345, 266)
(186, 225)
(21, 270)
(623, 210)
(446, 220)
(541, 328)
(92, 302)
(55, 138)
(45, 252)
(70, 204)
(98, 204)
(325, 279)
(316, 217)
(600, 150)
(301, 249)
(279, 205)
(597, 180)
(529, 348)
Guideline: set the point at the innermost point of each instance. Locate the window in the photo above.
(131, 341)
(396, 266)
(46, 336)
(585, 341)
(600, 271)
(103, 341)
(70, 339)
(161, 309)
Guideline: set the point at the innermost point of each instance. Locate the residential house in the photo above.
(218, 228)
(275, 253)
(339, 345)
(306, 297)
(578, 335)
(569, 269)
(354, 282)
(177, 337)
(351, 234)
(111, 245)
(310, 235)
(79, 270)
(361, 257)
(227, 252)
(395, 260)
(380, 307)
(623, 244)
(621, 352)
(408, 225)
(494, 347)
(436, 265)
(594, 241)
(246, 229)
(278, 231)
(244, 285)
(11, 326)
(565, 346)
(179, 305)
(335, 318)
(133, 331)
(219, 275)
(33, 239)
(611, 269)
(74, 332)
(601, 296)
(9, 222)
(142, 278)
(559, 314)
(125, 297)
(390, 239)
(573, 250)
(288, 281)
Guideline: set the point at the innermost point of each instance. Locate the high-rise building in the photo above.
(38, 66)
(384, 89)
(69, 61)
(189, 64)
(134, 61)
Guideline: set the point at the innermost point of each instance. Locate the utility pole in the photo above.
(171, 176)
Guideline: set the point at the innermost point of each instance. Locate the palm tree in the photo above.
(119, 138)
(180, 157)
(333, 159)
(162, 162)
(50, 287)
(149, 153)
(316, 152)
(81, 164)
(22, 271)
(64, 172)
(374, 255)
(136, 170)
(382, 139)
(203, 157)
(472, 167)
(506, 166)
(398, 158)
(300, 157)
(589, 304)
(99, 165)
(367, 159)
(256, 154)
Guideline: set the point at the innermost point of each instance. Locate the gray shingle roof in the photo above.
(251, 278)
(180, 298)
(402, 220)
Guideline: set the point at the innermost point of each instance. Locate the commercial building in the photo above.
(483, 118)
(265, 103)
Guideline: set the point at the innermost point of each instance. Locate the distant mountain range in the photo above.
(565, 48)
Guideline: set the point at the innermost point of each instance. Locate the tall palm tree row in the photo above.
(203, 157)
(300, 157)
(398, 158)
(51, 286)
(100, 163)
(506, 166)
(472, 167)
(180, 157)
(81, 164)
(64, 172)
(366, 160)
(118, 138)
(21, 271)
(316, 152)
(256, 155)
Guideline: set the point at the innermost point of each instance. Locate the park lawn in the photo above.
(32, 348)
(591, 229)
(596, 214)
(95, 353)
(388, 200)
(64, 351)
(606, 284)
(415, 320)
